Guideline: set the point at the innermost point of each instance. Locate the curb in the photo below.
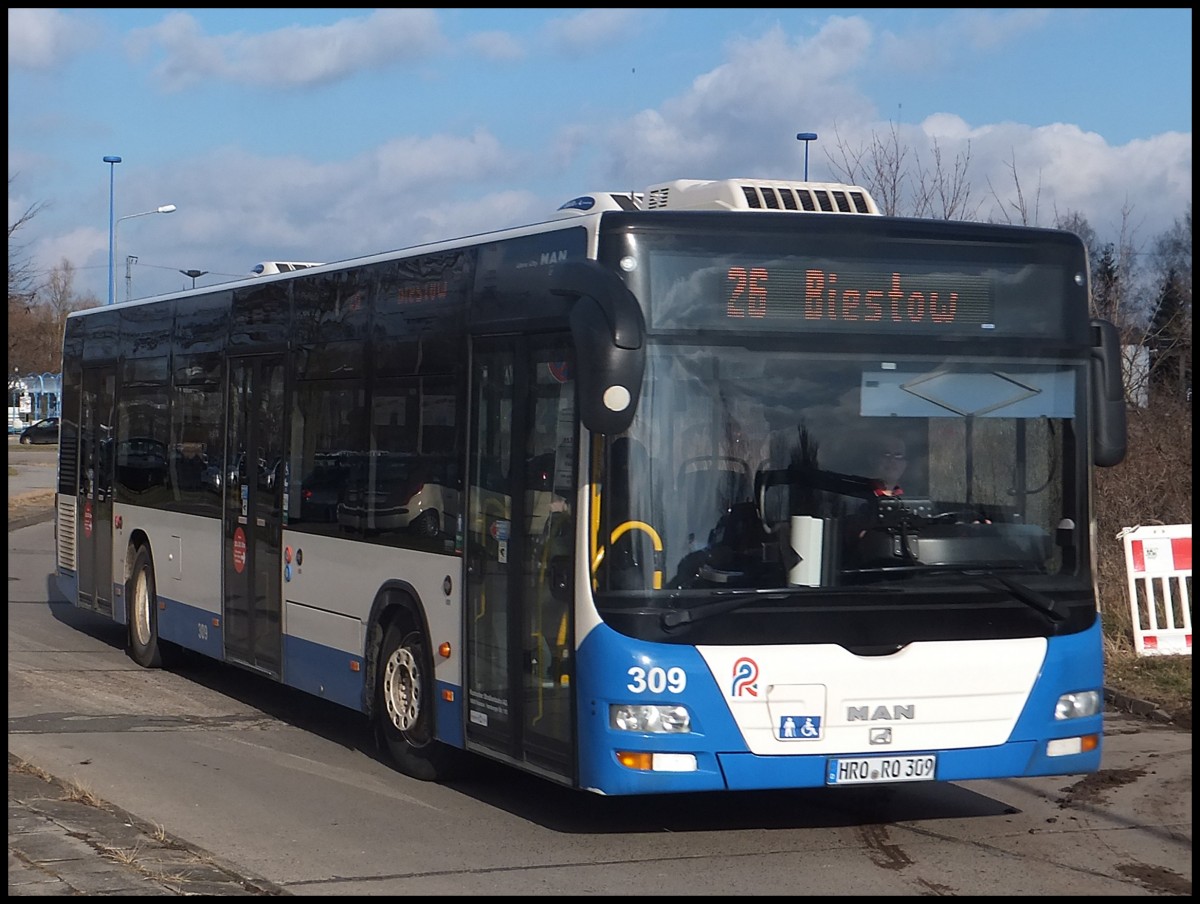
(30, 520)
(64, 841)
(1141, 708)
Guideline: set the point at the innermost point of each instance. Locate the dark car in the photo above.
(43, 431)
(141, 463)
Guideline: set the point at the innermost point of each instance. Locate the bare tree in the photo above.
(22, 275)
(35, 331)
(1170, 332)
(1018, 209)
(879, 167)
(944, 192)
(900, 181)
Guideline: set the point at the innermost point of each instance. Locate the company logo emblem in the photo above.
(745, 678)
(896, 713)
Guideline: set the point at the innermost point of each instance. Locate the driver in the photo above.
(888, 463)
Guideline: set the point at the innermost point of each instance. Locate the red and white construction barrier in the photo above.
(1158, 561)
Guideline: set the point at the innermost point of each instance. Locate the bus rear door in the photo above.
(94, 502)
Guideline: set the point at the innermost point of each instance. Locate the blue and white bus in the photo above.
(592, 497)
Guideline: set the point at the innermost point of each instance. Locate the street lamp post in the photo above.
(166, 208)
(806, 137)
(112, 286)
(194, 274)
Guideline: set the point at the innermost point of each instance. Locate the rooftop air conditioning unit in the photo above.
(760, 194)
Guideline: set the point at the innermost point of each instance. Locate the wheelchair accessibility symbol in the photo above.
(800, 728)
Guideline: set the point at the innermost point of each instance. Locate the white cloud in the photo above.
(589, 31)
(938, 48)
(43, 39)
(498, 46)
(738, 118)
(741, 117)
(289, 57)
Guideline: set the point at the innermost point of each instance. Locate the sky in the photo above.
(327, 134)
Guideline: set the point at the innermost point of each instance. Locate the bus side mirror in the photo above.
(609, 331)
(1108, 396)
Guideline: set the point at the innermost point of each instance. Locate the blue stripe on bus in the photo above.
(449, 714)
(190, 627)
(319, 670)
(120, 610)
(323, 671)
(724, 762)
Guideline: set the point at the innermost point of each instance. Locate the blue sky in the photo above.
(330, 133)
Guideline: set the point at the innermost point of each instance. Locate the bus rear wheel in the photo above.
(404, 708)
(145, 647)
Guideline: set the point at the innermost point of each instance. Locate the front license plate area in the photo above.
(875, 770)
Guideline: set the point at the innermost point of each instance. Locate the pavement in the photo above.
(62, 840)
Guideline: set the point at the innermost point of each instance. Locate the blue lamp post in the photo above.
(112, 286)
(806, 137)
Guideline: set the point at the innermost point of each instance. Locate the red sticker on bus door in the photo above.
(239, 550)
(87, 518)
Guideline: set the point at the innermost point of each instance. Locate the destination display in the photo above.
(912, 294)
(858, 295)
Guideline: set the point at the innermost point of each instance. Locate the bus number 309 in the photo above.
(656, 680)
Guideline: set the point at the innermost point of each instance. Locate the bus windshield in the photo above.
(758, 470)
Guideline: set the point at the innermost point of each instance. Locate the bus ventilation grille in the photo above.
(65, 532)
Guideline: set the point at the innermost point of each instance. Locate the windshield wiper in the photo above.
(673, 618)
(988, 576)
(1032, 598)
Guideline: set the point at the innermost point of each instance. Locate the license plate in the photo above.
(874, 770)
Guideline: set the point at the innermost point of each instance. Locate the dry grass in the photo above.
(124, 856)
(33, 502)
(30, 769)
(1152, 486)
(79, 794)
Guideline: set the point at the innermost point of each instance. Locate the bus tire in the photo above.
(404, 708)
(144, 647)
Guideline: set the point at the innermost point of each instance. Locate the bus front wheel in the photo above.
(145, 647)
(405, 708)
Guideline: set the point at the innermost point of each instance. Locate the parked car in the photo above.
(141, 463)
(43, 431)
(402, 495)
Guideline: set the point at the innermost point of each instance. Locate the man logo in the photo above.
(880, 736)
(881, 713)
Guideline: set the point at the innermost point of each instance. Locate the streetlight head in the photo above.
(167, 208)
(112, 159)
(806, 136)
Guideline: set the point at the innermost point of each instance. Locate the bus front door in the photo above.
(253, 512)
(94, 503)
(519, 546)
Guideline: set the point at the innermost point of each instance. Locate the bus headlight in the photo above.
(1077, 705)
(650, 718)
